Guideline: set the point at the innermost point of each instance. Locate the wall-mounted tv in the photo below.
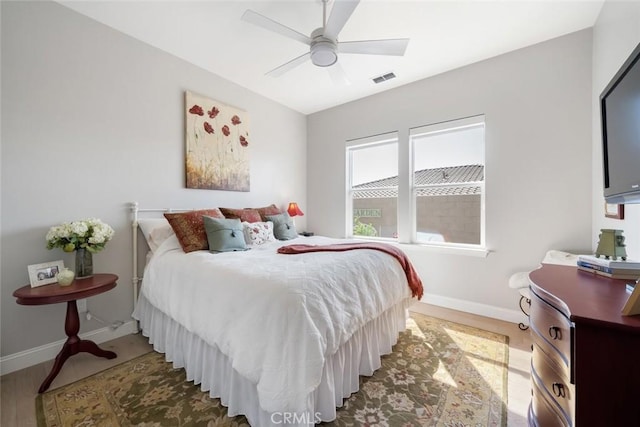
(620, 113)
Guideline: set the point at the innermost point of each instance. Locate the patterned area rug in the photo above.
(440, 374)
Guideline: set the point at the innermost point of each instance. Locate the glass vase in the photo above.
(84, 263)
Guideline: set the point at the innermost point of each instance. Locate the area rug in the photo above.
(440, 374)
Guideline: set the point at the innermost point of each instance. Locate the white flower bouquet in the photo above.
(91, 234)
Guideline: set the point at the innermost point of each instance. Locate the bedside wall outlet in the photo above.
(82, 305)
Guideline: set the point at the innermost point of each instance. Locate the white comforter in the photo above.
(275, 316)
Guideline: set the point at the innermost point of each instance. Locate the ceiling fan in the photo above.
(323, 43)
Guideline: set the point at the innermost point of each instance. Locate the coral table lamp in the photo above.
(294, 210)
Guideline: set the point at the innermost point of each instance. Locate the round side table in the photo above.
(53, 294)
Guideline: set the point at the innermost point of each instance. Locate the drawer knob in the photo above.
(558, 389)
(555, 333)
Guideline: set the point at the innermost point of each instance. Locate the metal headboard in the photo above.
(135, 211)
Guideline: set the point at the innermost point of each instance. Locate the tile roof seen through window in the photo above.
(446, 181)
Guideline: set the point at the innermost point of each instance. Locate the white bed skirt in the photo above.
(207, 366)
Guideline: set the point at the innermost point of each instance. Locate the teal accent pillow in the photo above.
(224, 235)
(283, 227)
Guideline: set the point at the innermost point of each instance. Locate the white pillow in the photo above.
(155, 231)
(257, 233)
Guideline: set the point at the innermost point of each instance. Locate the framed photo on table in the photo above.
(45, 273)
(614, 211)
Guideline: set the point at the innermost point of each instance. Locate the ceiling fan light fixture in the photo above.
(323, 41)
(323, 54)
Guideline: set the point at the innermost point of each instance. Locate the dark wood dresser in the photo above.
(585, 365)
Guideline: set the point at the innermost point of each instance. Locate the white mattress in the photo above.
(275, 319)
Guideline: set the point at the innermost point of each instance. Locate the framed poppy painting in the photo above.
(217, 145)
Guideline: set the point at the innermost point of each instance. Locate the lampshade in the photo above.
(294, 210)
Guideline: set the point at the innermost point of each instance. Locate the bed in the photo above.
(276, 337)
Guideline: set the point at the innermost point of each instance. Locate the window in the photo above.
(373, 186)
(448, 182)
(425, 187)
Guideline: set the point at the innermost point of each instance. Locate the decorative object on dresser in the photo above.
(584, 361)
(611, 244)
(44, 273)
(86, 237)
(217, 145)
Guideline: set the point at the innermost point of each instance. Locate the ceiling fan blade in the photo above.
(337, 74)
(394, 47)
(288, 66)
(271, 25)
(340, 13)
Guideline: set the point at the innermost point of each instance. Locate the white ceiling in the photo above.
(444, 35)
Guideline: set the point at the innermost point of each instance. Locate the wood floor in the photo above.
(18, 389)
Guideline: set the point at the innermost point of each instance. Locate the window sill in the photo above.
(474, 251)
(448, 249)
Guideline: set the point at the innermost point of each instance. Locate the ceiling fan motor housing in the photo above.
(323, 50)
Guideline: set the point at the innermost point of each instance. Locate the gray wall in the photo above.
(93, 119)
(615, 35)
(537, 107)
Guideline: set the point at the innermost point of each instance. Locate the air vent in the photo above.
(384, 78)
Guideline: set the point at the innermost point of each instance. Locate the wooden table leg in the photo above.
(73, 345)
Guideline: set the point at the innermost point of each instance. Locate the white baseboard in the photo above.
(24, 359)
(512, 316)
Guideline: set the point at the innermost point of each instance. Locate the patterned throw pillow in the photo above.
(283, 227)
(257, 233)
(247, 214)
(189, 228)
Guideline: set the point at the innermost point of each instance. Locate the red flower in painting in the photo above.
(207, 127)
(213, 113)
(243, 141)
(235, 120)
(196, 109)
(225, 130)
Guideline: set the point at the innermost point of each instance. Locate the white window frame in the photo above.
(406, 214)
(358, 144)
(439, 128)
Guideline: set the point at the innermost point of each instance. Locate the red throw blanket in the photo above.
(412, 276)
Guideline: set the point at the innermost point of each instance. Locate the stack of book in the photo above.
(617, 269)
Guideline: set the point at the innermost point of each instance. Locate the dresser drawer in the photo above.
(542, 413)
(553, 383)
(551, 326)
(560, 361)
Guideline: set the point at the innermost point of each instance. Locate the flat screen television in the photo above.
(620, 113)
